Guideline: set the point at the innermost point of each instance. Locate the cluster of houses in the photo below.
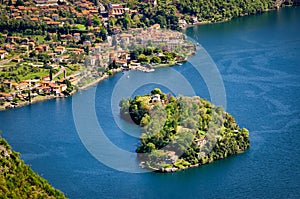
(99, 56)
(106, 53)
(27, 89)
(56, 51)
(47, 11)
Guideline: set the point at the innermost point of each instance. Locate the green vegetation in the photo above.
(167, 13)
(18, 72)
(182, 132)
(17, 180)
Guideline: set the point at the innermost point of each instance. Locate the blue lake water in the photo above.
(259, 61)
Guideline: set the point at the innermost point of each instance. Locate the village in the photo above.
(35, 67)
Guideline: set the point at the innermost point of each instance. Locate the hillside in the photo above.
(17, 180)
(37, 16)
(182, 132)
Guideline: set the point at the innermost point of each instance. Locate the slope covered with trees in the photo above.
(182, 132)
(167, 13)
(17, 180)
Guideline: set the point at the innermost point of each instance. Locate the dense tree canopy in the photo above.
(167, 13)
(17, 180)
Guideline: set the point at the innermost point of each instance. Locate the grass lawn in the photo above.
(80, 27)
(39, 38)
(41, 74)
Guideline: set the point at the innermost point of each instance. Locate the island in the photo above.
(18, 180)
(182, 132)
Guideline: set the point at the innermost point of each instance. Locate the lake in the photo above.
(258, 60)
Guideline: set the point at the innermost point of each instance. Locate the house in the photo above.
(116, 10)
(12, 39)
(19, 18)
(23, 86)
(53, 23)
(17, 59)
(101, 7)
(155, 27)
(59, 50)
(126, 38)
(46, 78)
(42, 3)
(87, 43)
(24, 48)
(31, 45)
(47, 19)
(151, 2)
(90, 61)
(47, 89)
(39, 49)
(7, 96)
(63, 87)
(122, 63)
(69, 37)
(9, 47)
(90, 36)
(76, 36)
(7, 84)
(155, 98)
(134, 64)
(201, 141)
(55, 89)
(24, 40)
(34, 19)
(2, 54)
(182, 23)
(194, 19)
(45, 47)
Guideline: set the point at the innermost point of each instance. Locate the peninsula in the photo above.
(182, 132)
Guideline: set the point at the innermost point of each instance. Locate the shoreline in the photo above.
(175, 169)
(114, 71)
(50, 97)
(227, 20)
(97, 81)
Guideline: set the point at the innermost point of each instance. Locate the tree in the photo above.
(87, 50)
(51, 74)
(103, 33)
(134, 55)
(114, 41)
(156, 60)
(48, 37)
(126, 21)
(19, 3)
(156, 91)
(96, 20)
(88, 23)
(143, 59)
(148, 51)
(112, 21)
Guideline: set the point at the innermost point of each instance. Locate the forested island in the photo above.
(17, 180)
(182, 132)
